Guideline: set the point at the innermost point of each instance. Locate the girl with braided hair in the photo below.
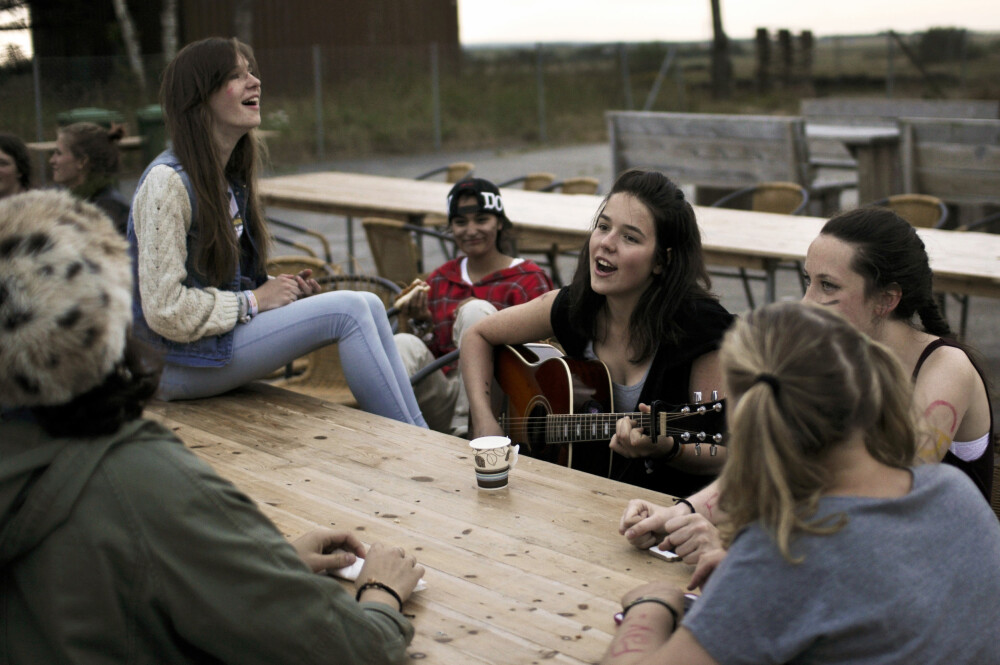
(85, 161)
(871, 266)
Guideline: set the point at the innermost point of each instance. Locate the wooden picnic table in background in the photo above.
(526, 574)
(875, 150)
(966, 263)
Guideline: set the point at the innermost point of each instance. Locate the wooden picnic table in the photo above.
(528, 574)
(965, 263)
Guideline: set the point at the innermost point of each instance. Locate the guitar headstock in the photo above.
(697, 423)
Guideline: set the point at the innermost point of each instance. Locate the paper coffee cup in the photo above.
(493, 457)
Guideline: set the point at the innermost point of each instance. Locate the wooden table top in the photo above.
(962, 262)
(126, 143)
(527, 574)
(854, 134)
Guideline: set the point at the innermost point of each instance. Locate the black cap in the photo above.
(487, 198)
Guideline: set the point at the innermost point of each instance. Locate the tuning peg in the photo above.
(715, 395)
(686, 436)
(702, 409)
(717, 407)
(701, 436)
(717, 438)
(697, 397)
(697, 447)
(713, 449)
(685, 409)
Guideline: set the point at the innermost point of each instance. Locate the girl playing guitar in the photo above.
(639, 303)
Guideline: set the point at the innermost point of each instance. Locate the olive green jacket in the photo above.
(129, 549)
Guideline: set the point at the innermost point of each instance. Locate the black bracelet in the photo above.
(686, 503)
(677, 449)
(372, 584)
(658, 601)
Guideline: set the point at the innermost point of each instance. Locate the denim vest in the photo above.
(213, 350)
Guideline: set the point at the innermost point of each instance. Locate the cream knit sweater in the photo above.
(162, 218)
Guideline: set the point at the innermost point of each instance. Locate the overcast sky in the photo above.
(514, 21)
(504, 21)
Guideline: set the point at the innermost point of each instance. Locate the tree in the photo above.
(131, 39)
(722, 66)
(168, 23)
(243, 21)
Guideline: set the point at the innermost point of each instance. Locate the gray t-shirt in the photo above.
(908, 580)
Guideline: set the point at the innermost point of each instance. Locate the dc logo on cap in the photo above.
(492, 201)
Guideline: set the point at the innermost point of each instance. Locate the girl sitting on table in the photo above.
(839, 551)
(461, 292)
(15, 165)
(85, 161)
(870, 265)
(200, 243)
(118, 544)
(639, 303)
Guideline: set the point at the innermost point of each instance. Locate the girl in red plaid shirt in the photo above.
(461, 292)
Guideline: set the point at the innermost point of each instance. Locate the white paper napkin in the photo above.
(351, 573)
(666, 554)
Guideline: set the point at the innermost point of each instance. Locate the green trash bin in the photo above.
(102, 117)
(149, 120)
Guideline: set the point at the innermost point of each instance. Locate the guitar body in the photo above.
(539, 381)
(553, 402)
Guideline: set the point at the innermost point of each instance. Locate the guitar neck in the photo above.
(578, 427)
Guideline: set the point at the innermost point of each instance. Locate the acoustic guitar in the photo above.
(554, 401)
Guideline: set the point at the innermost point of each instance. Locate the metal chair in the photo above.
(783, 198)
(920, 210)
(995, 499)
(312, 233)
(395, 249)
(531, 182)
(577, 185)
(453, 172)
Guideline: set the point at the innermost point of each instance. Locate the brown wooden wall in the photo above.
(302, 23)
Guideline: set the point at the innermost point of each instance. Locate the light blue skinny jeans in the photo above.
(356, 320)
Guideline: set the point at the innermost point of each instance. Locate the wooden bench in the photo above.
(717, 153)
(879, 112)
(955, 160)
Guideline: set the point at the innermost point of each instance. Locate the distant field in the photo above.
(382, 103)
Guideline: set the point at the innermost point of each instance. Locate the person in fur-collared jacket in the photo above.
(117, 543)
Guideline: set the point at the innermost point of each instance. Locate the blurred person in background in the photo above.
(85, 161)
(15, 165)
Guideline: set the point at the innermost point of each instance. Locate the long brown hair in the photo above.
(200, 69)
(678, 252)
(823, 380)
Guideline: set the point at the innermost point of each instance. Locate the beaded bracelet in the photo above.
(252, 299)
(658, 601)
(372, 584)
